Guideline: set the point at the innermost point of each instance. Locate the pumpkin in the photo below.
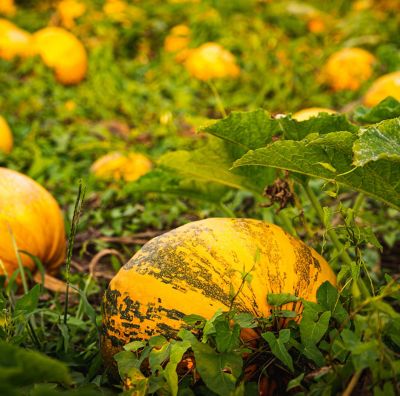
(192, 270)
(63, 52)
(178, 39)
(6, 138)
(306, 114)
(211, 61)
(32, 216)
(387, 85)
(347, 69)
(7, 7)
(116, 166)
(69, 10)
(14, 41)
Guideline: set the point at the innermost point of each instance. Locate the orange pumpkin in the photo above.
(194, 268)
(387, 85)
(211, 61)
(347, 69)
(116, 166)
(30, 215)
(63, 52)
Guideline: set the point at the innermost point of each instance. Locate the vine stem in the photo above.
(358, 203)
(352, 384)
(218, 99)
(331, 232)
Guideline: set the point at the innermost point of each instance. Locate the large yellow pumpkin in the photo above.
(6, 137)
(63, 52)
(193, 269)
(33, 217)
(347, 69)
(310, 112)
(387, 85)
(14, 41)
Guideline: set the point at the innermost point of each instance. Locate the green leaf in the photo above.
(227, 338)
(158, 355)
(388, 108)
(322, 124)
(312, 352)
(278, 348)
(178, 348)
(379, 179)
(29, 301)
(311, 331)
(278, 299)
(380, 141)
(219, 371)
(134, 346)
(328, 298)
(295, 382)
(195, 320)
(126, 361)
(245, 320)
(212, 163)
(250, 130)
(209, 327)
(163, 181)
(20, 367)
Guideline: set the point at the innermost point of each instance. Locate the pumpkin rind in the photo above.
(191, 270)
(35, 220)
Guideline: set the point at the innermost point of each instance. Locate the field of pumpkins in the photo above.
(199, 197)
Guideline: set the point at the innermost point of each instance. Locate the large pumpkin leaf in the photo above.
(165, 181)
(388, 108)
(380, 141)
(322, 124)
(330, 157)
(251, 130)
(212, 163)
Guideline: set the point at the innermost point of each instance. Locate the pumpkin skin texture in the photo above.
(310, 112)
(6, 137)
(189, 270)
(347, 69)
(387, 85)
(35, 220)
(63, 52)
(14, 41)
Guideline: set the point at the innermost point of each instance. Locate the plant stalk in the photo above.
(71, 239)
